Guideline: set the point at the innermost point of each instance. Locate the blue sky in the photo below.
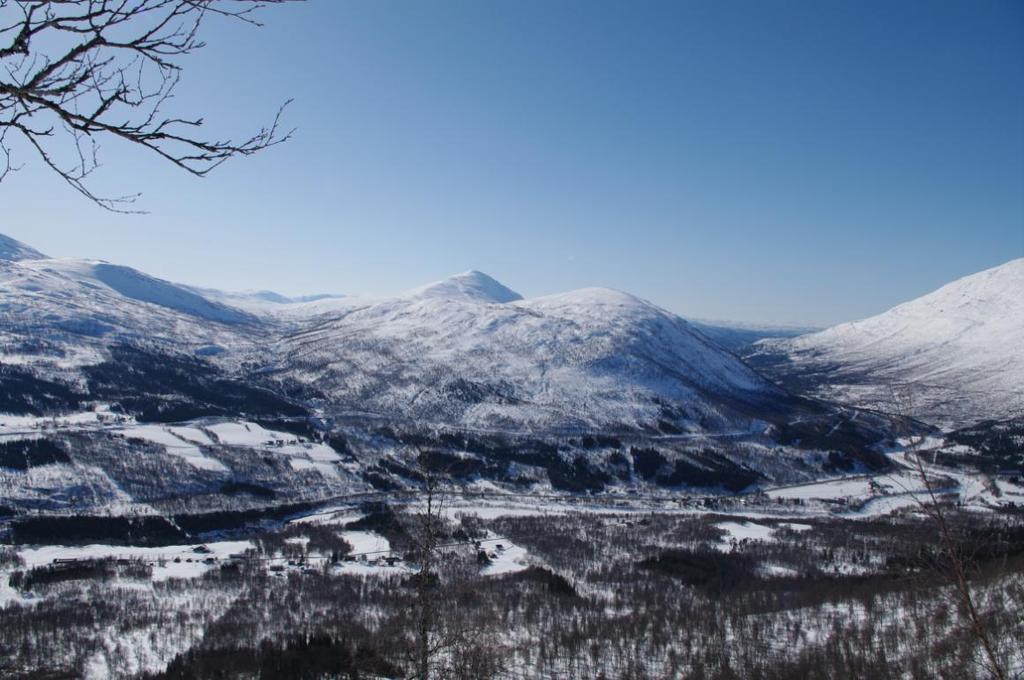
(805, 162)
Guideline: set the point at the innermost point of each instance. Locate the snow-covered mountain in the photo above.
(67, 322)
(80, 306)
(14, 251)
(471, 286)
(462, 374)
(464, 352)
(469, 351)
(958, 353)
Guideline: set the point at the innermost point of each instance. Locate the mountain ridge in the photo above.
(462, 377)
(13, 250)
(957, 349)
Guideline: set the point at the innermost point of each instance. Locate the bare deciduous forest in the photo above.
(617, 596)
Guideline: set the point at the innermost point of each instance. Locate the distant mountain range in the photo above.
(738, 337)
(584, 390)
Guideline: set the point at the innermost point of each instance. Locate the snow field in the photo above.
(179, 442)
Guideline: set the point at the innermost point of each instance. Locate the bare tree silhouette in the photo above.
(426, 535)
(448, 643)
(73, 72)
(954, 565)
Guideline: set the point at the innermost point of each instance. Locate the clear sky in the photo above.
(807, 162)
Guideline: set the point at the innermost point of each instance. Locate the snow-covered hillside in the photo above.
(13, 251)
(957, 352)
(469, 351)
(464, 351)
(471, 286)
(579, 391)
(60, 314)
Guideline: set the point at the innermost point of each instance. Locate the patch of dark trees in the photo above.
(322, 539)
(710, 570)
(991, 546)
(842, 461)
(999, 445)
(299, 658)
(566, 471)
(381, 518)
(149, 530)
(23, 454)
(471, 392)
(697, 469)
(597, 441)
(851, 444)
(236, 488)
(459, 467)
(171, 388)
(388, 466)
(239, 521)
(380, 482)
(23, 393)
(579, 476)
(85, 529)
(78, 570)
(552, 583)
(495, 454)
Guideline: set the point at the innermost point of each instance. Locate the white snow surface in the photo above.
(366, 542)
(13, 250)
(740, 531)
(840, 488)
(241, 433)
(79, 308)
(464, 354)
(508, 558)
(179, 441)
(472, 286)
(961, 348)
(162, 558)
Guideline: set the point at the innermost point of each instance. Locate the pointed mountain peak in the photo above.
(13, 251)
(471, 285)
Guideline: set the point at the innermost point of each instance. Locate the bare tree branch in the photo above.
(955, 564)
(73, 72)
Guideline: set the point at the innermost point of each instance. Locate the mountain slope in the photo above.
(465, 352)
(463, 377)
(472, 355)
(958, 350)
(13, 251)
(471, 286)
(60, 315)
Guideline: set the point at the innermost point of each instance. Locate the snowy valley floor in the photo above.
(838, 579)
